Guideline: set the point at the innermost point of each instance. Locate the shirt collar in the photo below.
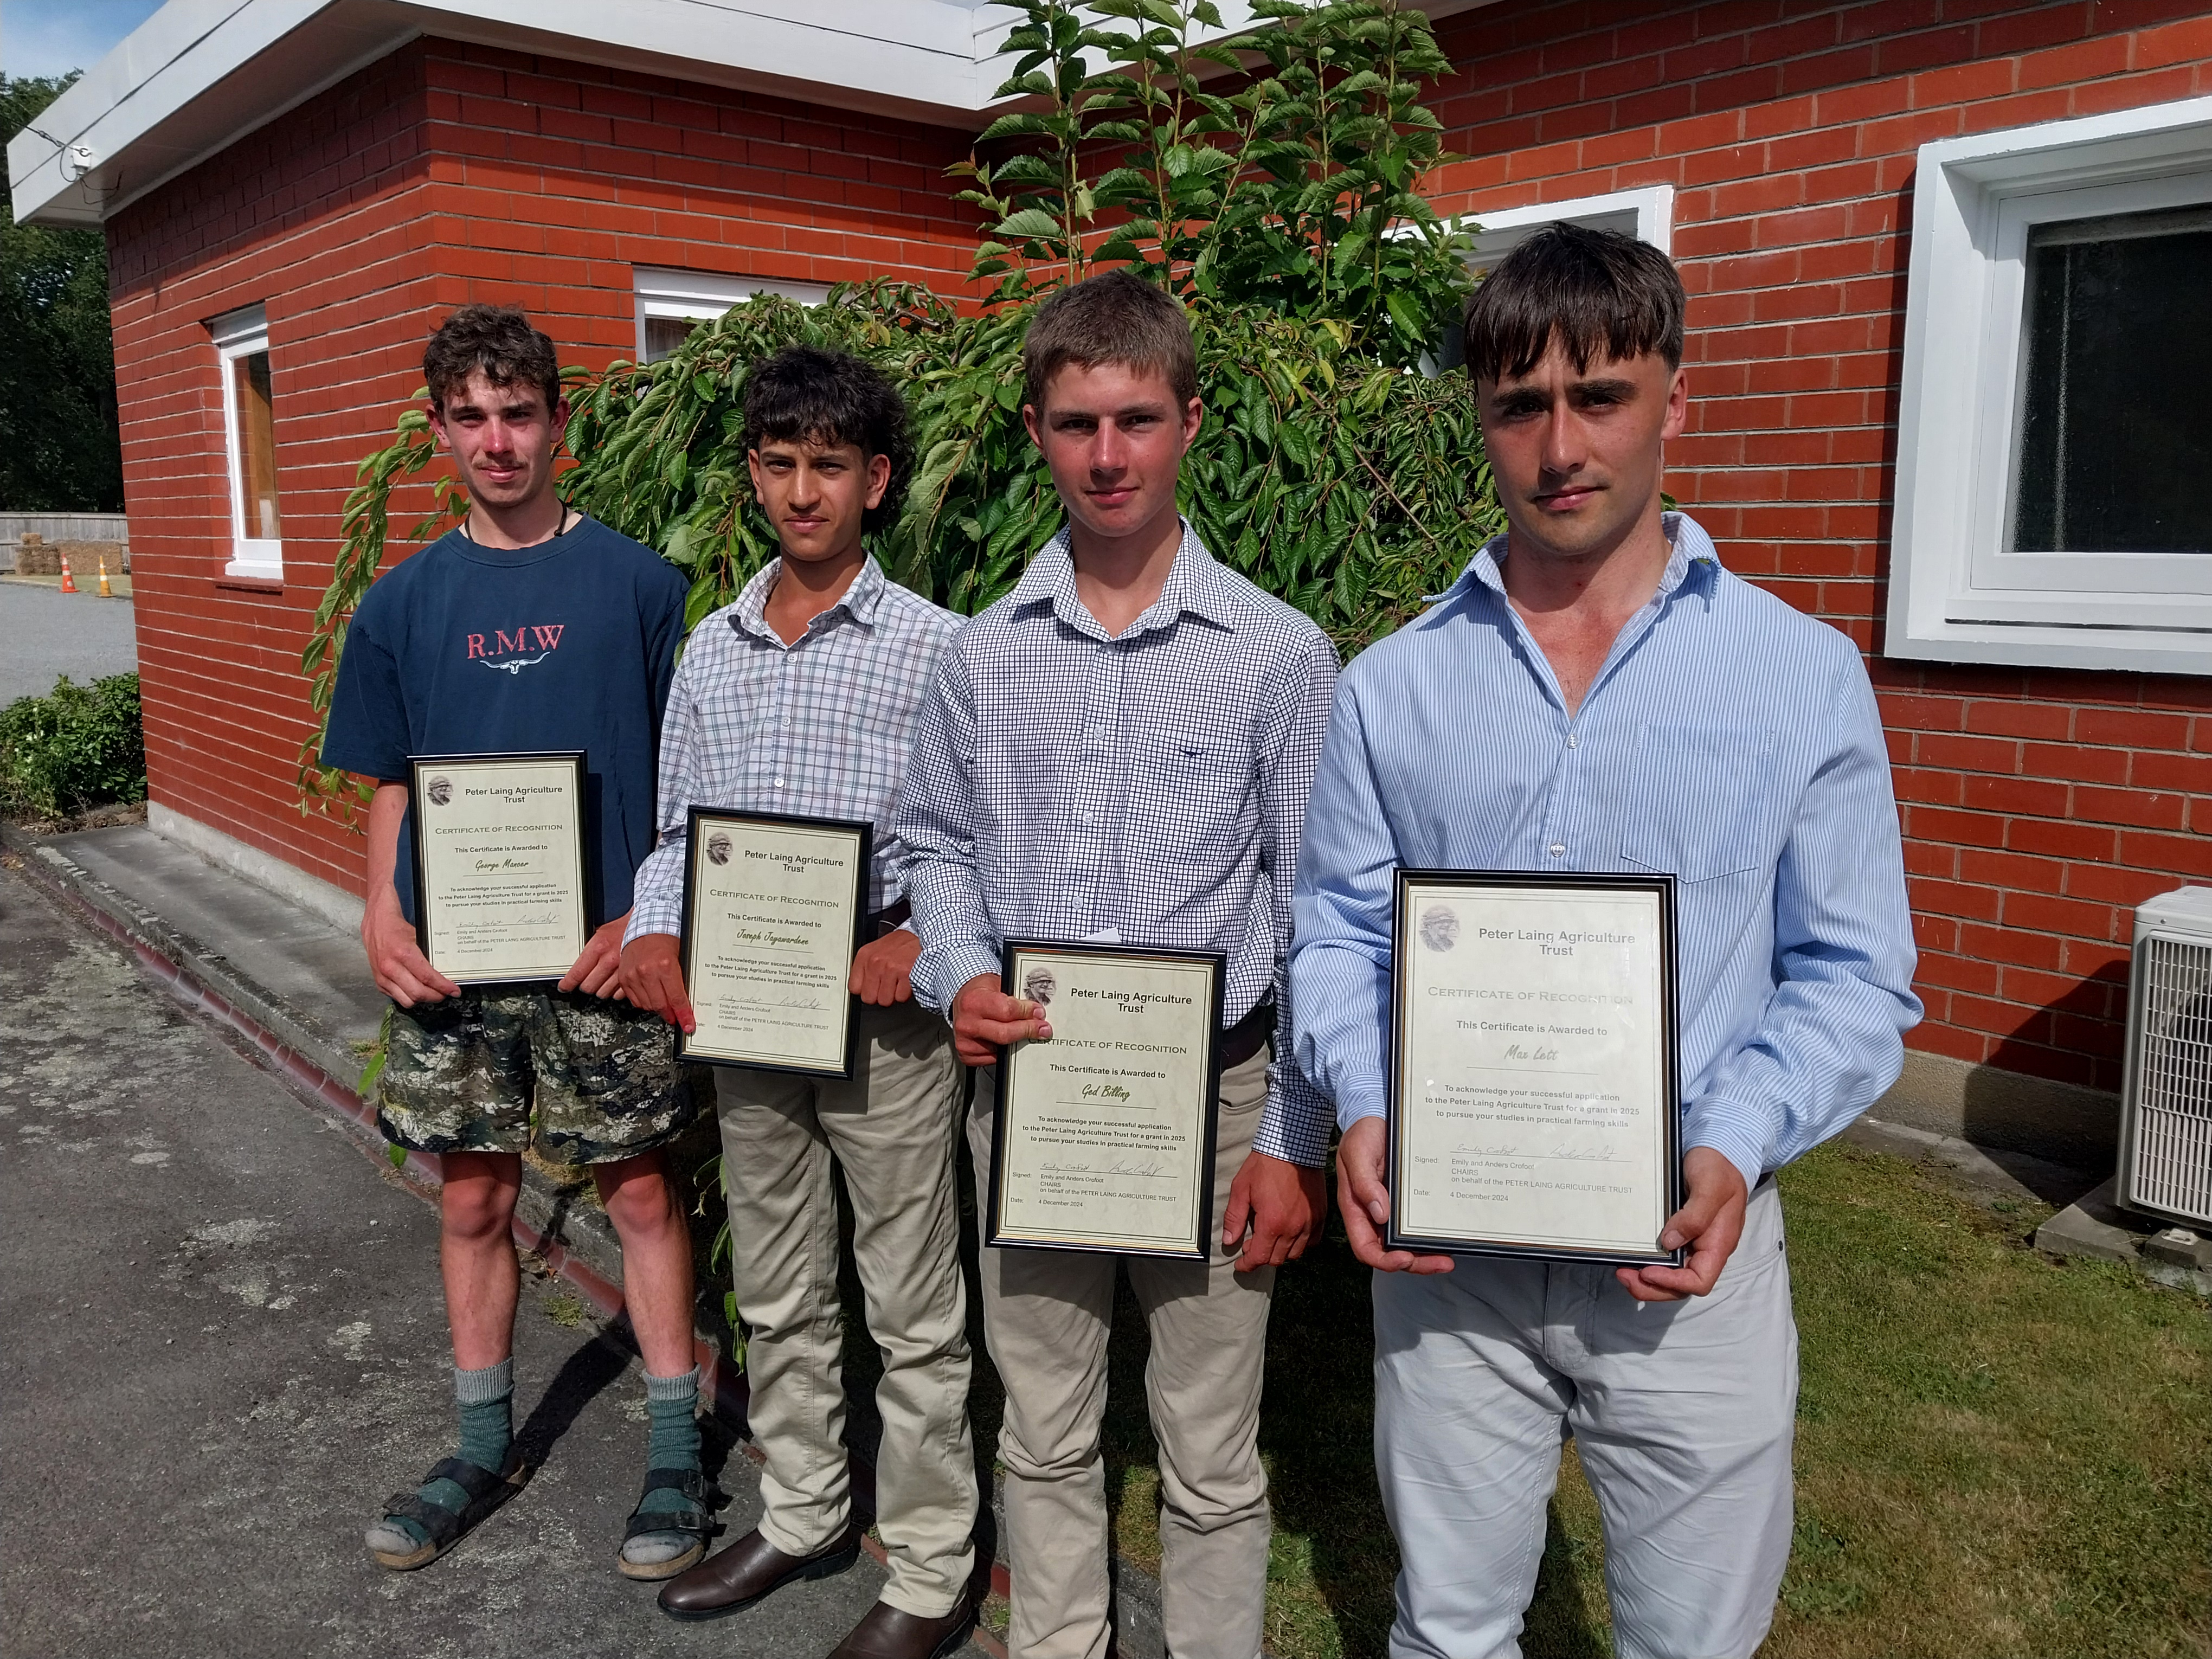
(859, 601)
(1196, 585)
(1687, 545)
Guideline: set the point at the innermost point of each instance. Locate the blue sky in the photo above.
(52, 37)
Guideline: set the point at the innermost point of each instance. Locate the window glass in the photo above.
(664, 334)
(2115, 429)
(256, 446)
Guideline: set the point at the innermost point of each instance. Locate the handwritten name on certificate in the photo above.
(1106, 1130)
(773, 922)
(1532, 1090)
(498, 858)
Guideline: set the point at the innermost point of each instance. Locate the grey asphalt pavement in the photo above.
(44, 633)
(226, 1345)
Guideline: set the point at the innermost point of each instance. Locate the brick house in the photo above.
(1892, 216)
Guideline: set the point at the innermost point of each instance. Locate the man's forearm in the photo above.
(387, 811)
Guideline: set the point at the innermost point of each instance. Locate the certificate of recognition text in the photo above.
(499, 865)
(1533, 1101)
(1105, 1132)
(772, 917)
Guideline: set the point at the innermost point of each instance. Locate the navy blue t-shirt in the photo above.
(465, 650)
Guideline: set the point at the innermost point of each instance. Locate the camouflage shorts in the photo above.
(578, 1078)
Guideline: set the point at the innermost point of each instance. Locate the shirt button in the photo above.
(1557, 849)
(779, 784)
(1573, 741)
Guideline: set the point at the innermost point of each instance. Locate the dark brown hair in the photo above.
(1118, 318)
(1599, 293)
(496, 339)
(803, 394)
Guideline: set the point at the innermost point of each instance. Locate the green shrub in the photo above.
(1281, 204)
(82, 746)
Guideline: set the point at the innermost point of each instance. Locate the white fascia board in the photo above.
(199, 75)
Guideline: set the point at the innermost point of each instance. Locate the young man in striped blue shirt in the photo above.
(1120, 748)
(1596, 693)
(801, 699)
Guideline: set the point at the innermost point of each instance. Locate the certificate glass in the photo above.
(1104, 1137)
(773, 910)
(1534, 1108)
(499, 894)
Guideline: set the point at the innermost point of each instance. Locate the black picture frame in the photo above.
(699, 824)
(1217, 965)
(417, 766)
(1663, 886)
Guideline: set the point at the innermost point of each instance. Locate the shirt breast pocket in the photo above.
(1190, 792)
(1699, 805)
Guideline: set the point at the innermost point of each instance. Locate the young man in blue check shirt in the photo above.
(801, 699)
(1596, 693)
(1120, 748)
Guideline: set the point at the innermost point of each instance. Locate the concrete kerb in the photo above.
(315, 1065)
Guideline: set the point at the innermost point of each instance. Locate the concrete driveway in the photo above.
(225, 1344)
(46, 633)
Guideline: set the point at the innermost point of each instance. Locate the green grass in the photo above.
(1997, 1454)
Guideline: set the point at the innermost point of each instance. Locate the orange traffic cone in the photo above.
(106, 592)
(69, 585)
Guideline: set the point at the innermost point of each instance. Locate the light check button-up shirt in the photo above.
(1728, 740)
(819, 728)
(1066, 782)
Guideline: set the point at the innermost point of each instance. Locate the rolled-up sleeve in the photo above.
(1339, 959)
(658, 905)
(1831, 1038)
(936, 827)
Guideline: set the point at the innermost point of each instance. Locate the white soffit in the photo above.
(199, 75)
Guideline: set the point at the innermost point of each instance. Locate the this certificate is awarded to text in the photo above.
(499, 865)
(1533, 1103)
(1104, 1137)
(773, 911)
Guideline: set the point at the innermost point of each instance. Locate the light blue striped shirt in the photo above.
(1728, 740)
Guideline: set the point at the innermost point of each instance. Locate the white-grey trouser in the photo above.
(892, 1128)
(1682, 1413)
(1046, 1316)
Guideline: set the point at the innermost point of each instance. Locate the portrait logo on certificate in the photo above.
(1104, 1136)
(500, 865)
(773, 908)
(1534, 1108)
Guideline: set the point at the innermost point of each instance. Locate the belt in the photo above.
(1249, 1035)
(889, 918)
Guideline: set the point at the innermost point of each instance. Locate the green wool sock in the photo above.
(673, 1403)
(486, 1399)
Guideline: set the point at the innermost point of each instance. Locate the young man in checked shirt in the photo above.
(801, 699)
(1121, 749)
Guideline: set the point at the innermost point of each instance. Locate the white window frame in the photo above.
(701, 296)
(1648, 215)
(1957, 592)
(238, 334)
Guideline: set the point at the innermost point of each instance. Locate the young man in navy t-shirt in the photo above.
(530, 627)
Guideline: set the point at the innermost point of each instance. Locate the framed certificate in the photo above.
(500, 865)
(1104, 1138)
(1534, 1104)
(773, 909)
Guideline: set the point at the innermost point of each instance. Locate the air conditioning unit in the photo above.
(2166, 1103)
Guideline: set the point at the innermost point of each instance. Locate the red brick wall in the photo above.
(2039, 807)
(440, 174)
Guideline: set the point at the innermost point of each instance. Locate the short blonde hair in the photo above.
(1118, 318)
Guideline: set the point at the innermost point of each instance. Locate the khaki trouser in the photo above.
(1046, 1316)
(891, 1128)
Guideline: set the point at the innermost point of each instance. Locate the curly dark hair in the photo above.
(500, 341)
(808, 395)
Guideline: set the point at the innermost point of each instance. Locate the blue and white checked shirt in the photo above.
(1728, 740)
(817, 729)
(1064, 783)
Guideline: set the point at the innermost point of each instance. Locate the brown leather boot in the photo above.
(733, 1579)
(887, 1633)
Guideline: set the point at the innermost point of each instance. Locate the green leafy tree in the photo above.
(1328, 469)
(60, 449)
